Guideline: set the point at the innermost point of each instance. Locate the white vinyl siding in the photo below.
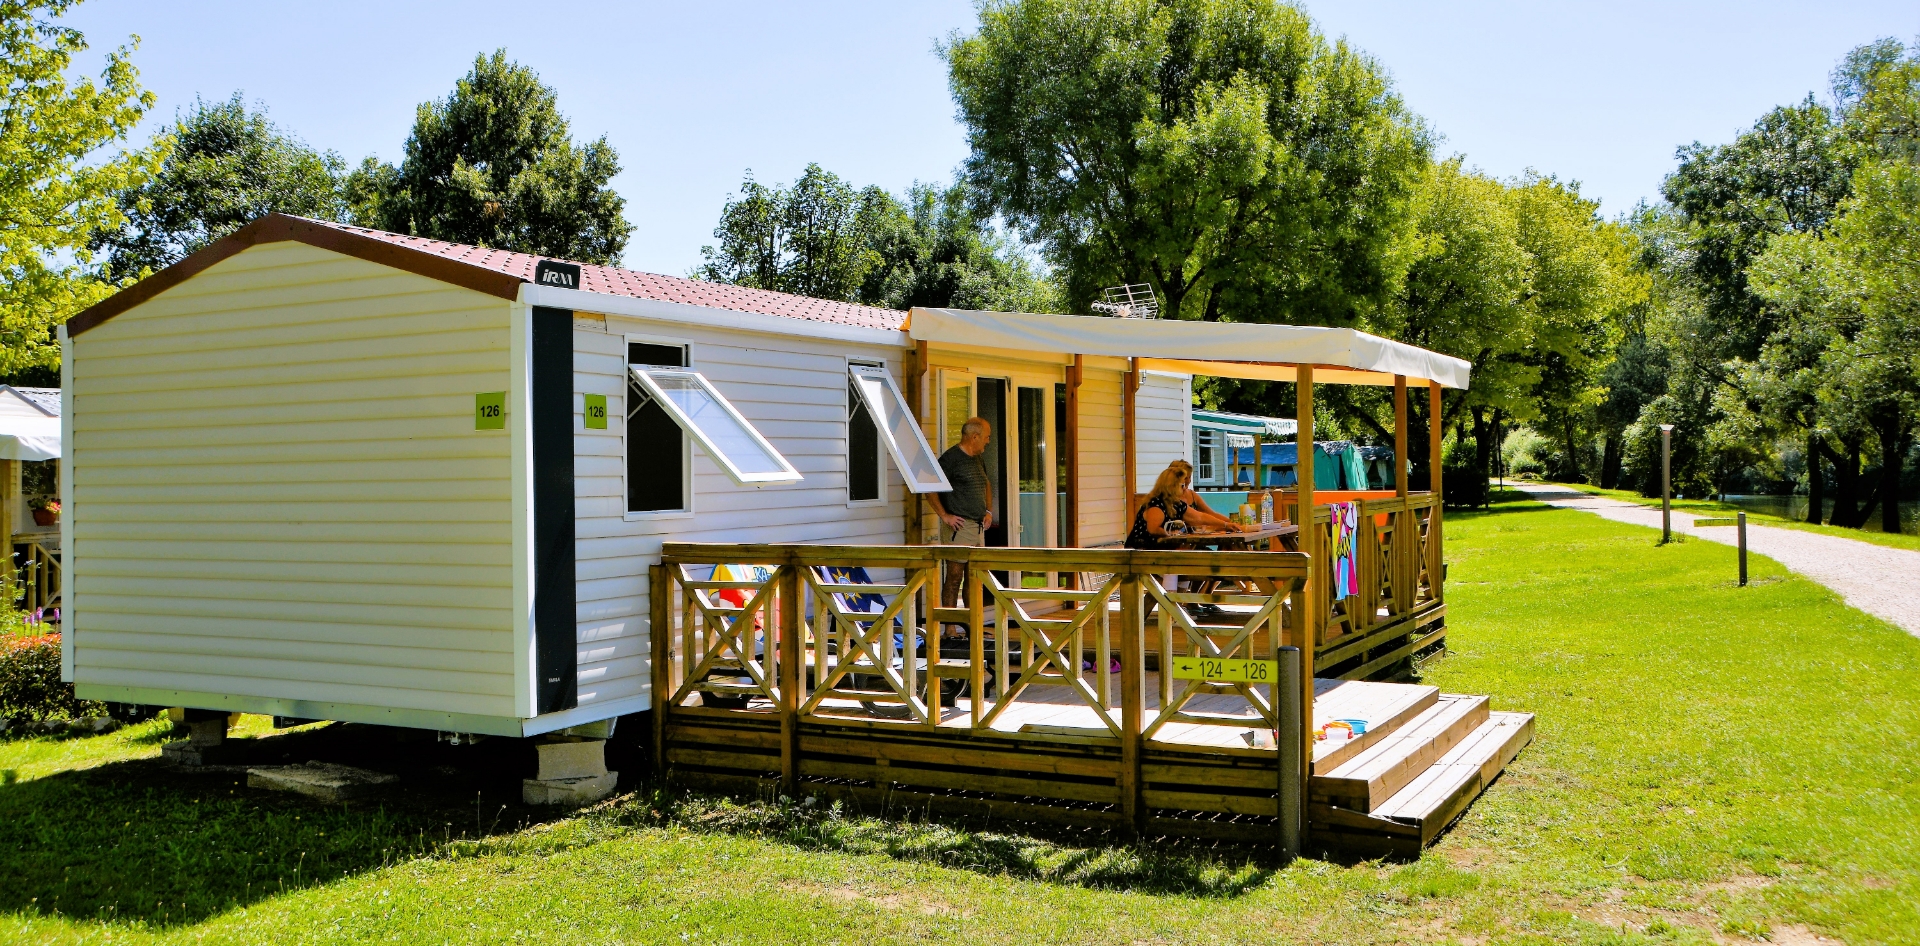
(278, 491)
(1103, 458)
(794, 391)
(1164, 412)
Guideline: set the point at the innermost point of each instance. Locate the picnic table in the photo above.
(1273, 536)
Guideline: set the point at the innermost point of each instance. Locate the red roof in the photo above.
(626, 282)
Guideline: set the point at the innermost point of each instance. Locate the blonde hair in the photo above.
(1167, 485)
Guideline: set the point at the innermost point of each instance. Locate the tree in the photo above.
(1221, 150)
(816, 238)
(494, 164)
(55, 190)
(225, 166)
(823, 238)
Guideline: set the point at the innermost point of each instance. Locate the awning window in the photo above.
(690, 399)
(918, 464)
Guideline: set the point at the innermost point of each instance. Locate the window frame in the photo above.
(687, 492)
(887, 440)
(879, 455)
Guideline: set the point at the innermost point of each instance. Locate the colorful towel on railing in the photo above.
(1346, 549)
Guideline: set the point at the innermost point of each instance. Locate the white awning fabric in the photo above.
(1227, 349)
(29, 438)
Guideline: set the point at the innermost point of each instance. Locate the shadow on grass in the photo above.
(1086, 859)
(148, 843)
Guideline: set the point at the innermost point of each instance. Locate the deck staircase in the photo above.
(1425, 756)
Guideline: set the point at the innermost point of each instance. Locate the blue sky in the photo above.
(693, 95)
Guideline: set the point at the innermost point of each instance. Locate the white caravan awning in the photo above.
(1221, 349)
(29, 438)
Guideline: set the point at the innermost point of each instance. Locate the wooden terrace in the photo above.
(1062, 690)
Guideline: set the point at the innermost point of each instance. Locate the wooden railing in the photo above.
(1399, 584)
(38, 572)
(803, 643)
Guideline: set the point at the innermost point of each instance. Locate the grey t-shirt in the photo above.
(968, 474)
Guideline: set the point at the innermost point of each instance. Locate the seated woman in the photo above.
(1199, 514)
(1168, 503)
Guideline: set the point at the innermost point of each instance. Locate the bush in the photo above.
(30, 684)
(1526, 452)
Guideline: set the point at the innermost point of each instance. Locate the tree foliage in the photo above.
(1221, 150)
(56, 190)
(822, 237)
(494, 164)
(225, 166)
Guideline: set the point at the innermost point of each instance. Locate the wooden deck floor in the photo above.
(1057, 710)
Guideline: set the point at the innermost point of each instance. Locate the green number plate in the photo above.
(1226, 670)
(490, 411)
(594, 411)
(1716, 522)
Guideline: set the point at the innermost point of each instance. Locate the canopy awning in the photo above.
(1220, 349)
(29, 438)
(1245, 424)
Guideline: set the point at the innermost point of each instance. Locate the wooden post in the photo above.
(1259, 465)
(1437, 563)
(1072, 446)
(916, 374)
(1132, 701)
(9, 498)
(1129, 425)
(1434, 431)
(1400, 435)
(1311, 608)
(659, 635)
(791, 614)
(976, 642)
(1406, 526)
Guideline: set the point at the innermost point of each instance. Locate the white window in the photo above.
(693, 404)
(659, 455)
(898, 430)
(1203, 455)
(865, 475)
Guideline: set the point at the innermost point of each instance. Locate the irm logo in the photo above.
(558, 275)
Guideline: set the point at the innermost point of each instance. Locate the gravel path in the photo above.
(1881, 581)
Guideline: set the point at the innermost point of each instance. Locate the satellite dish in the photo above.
(1129, 302)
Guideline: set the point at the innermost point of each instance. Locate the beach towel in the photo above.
(1346, 549)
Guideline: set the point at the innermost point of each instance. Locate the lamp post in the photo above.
(1666, 483)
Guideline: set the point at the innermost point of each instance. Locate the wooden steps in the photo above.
(1367, 779)
(1406, 822)
(1384, 707)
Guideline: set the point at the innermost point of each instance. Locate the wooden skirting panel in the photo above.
(1217, 794)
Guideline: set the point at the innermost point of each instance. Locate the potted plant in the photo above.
(46, 510)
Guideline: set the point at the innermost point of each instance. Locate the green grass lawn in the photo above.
(1898, 540)
(1712, 763)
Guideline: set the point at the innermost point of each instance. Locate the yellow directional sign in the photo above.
(1226, 670)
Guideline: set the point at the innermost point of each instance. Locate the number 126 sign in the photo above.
(1226, 670)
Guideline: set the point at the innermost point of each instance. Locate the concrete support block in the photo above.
(571, 792)
(572, 759)
(324, 781)
(206, 742)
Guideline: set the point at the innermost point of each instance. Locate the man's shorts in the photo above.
(969, 533)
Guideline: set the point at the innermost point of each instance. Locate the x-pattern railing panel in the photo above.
(1200, 642)
(865, 642)
(724, 636)
(1049, 642)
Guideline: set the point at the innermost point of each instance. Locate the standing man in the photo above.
(967, 512)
